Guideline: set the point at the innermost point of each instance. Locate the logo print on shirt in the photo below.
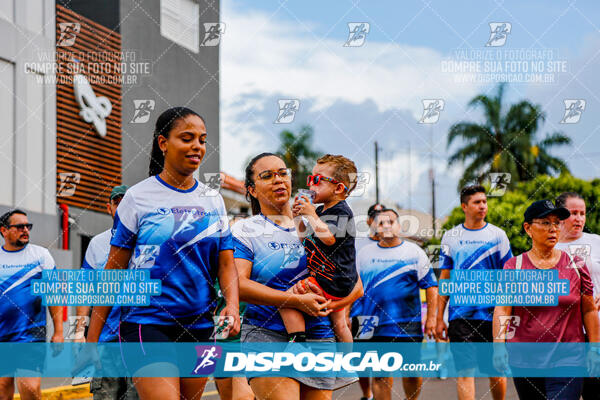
(193, 224)
(163, 211)
(291, 255)
(206, 362)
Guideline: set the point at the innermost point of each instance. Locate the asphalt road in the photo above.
(433, 388)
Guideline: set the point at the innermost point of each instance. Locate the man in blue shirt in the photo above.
(22, 316)
(393, 272)
(96, 256)
(475, 244)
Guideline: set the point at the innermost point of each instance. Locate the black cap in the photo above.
(374, 209)
(543, 208)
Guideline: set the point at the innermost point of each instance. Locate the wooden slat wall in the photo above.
(79, 147)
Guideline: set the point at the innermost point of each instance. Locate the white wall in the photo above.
(27, 106)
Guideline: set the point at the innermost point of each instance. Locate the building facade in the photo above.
(82, 86)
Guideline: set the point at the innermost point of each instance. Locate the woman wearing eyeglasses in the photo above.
(538, 324)
(270, 259)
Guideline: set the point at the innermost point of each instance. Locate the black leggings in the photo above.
(549, 388)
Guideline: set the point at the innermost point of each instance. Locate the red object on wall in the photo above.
(65, 226)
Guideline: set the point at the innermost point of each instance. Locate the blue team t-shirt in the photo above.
(392, 278)
(278, 261)
(177, 235)
(96, 257)
(22, 316)
(485, 248)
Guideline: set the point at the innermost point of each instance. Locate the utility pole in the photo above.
(376, 173)
(409, 178)
(432, 178)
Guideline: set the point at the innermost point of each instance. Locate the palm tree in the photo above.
(298, 154)
(505, 142)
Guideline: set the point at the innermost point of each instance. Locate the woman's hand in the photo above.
(313, 304)
(430, 328)
(441, 329)
(231, 314)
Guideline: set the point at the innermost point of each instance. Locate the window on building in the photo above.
(180, 22)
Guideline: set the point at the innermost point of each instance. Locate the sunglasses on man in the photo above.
(20, 227)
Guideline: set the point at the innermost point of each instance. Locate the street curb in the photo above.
(64, 393)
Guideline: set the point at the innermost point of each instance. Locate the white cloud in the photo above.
(270, 55)
(264, 58)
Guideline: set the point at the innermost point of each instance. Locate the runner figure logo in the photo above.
(499, 182)
(287, 111)
(212, 33)
(508, 326)
(213, 180)
(361, 179)
(206, 363)
(434, 251)
(431, 111)
(366, 326)
(582, 251)
(357, 33)
(74, 333)
(68, 183)
(573, 110)
(68, 33)
(142, 111)
(498, 33)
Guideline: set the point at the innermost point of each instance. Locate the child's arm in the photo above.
(301, 229)
(356, 293)
(304, 207)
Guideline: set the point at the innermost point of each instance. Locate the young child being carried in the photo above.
(329, 244)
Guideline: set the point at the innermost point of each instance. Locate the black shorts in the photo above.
(411, 353)
(136, 357)
(472, 356)
(391, 339)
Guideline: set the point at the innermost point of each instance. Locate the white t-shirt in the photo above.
(588, 248)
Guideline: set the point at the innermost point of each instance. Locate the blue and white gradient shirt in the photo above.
(22, 316)
(485, 248)
(278, 261)
(96, 257)
(392, 278)
(177, 235)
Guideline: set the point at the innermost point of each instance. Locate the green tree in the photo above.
(505, 141)
(507, 211)
(298, 154)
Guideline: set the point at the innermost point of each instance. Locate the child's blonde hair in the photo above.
(345, 170)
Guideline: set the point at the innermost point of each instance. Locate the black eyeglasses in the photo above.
(21, 226)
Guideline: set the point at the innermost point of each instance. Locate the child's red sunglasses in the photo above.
(315, 179)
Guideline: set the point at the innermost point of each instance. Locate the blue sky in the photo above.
(352, 96)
